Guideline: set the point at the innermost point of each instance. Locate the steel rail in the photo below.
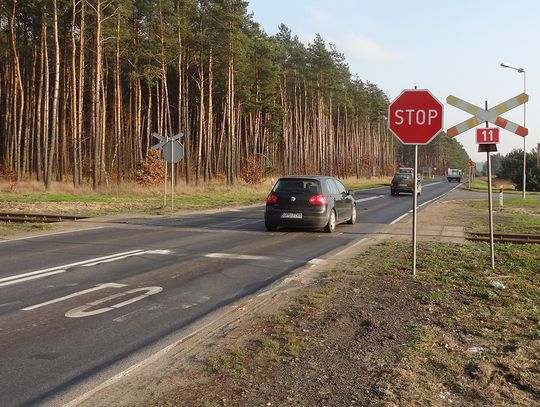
(20, 217)
(504, 237)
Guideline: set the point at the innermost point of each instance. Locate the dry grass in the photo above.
(125, 188)
(133, 188)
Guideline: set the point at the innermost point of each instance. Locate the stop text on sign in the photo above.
(488, 135)
(416, 117)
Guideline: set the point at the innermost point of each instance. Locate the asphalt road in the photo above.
(78, 307)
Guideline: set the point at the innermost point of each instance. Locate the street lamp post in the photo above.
(522, 70)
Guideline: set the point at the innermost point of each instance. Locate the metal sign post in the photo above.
(490, 205)
(173, 152)
(415, 117)
(415, 202)
(172, 179)
(488, 148)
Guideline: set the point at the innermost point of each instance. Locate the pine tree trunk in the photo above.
(54, 108)
(209, 121)
(78, 147)
(18, 97)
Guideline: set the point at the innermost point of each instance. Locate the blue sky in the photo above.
(452, 47)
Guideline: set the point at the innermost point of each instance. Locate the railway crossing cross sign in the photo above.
(173, 150)
(487, 115)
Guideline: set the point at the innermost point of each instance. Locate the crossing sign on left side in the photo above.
(173, 150)
(162, 141)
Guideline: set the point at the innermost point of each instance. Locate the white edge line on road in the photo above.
(49, 234)
(419, 206)
(425, 203)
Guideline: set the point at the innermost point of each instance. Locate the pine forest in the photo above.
(84, 84)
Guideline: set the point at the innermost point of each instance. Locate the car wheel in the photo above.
(331, 225)
(269, 227)
(352, 220)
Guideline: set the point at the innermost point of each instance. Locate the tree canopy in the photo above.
(84, 85)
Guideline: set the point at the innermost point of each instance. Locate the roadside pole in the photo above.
(415, 117)
(415, 201)
(172, 178)
(490, 203)
(165, 179)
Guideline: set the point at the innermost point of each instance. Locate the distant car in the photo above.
(403, 182)
(309, 202)
(405, 170)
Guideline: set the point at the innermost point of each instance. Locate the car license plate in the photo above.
(291, 215)
(402, 185)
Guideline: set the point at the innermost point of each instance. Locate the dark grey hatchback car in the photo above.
(309, 202)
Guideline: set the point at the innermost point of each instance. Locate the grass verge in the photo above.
(515, 216)
(483, 343)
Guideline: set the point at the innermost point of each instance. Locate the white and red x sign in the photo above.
(491, 115)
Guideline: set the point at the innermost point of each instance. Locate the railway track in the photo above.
(504, 237)
(19, 217)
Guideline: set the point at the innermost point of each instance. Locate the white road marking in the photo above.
(80, 312)
(409, 212)
(89, 290)
(431, 184)
(368, 199)
(19, 278)
(236, 256)
(125, 256)
(401, 217)
(60, 269)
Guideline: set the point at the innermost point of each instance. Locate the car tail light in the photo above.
(271, 199)
(318, 200)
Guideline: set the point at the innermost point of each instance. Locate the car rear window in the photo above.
(308, 186)
(402, 177)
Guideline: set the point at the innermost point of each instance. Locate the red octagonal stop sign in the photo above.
(415, 116)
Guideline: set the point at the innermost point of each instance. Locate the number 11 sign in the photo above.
(488, 135)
